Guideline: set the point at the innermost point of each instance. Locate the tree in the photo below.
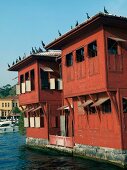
(7, 90)
(22, 130)
(16, 110)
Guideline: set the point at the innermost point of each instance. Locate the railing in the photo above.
(61, 141)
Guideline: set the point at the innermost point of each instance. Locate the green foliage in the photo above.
(22, 130)
(16, 110)
(7, 90)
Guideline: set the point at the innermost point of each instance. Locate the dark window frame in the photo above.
(91, 110)
(92, 49)
(42, 120)
(112, 46)
(80, 55)
(124, 104)
(106, 106)
(32, 79)
(44, 80)
(27, 76)
(69, 59)
(56, 122)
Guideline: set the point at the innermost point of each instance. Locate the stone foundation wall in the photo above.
(36, 142)
(101, 153)
(115, 156)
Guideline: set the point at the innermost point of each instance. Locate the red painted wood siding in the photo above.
(37, 133)
(117, 65)
(33, 96)
(83, 77)
(97, 131)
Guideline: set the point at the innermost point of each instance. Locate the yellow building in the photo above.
(7, 105)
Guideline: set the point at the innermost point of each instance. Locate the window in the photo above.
(16, 104)
(92, 49)
(106, 107)
(5, 104)
(56, 121)
(32, 76)
(124, 102)
(21, 78)
(13, 104)
(41, 118)
(2, 104)
(44, 80)
(21, 81)
(5, 125)
(91, 110)
(69, 59)
(27, 76)
(112, 46)
(80, 55)
(8, 104)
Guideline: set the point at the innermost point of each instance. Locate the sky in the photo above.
(24, 23)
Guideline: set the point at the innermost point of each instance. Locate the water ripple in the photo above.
(15, 156)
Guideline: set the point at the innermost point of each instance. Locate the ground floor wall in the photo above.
(41, 133)
(97, 128)
(42, 119)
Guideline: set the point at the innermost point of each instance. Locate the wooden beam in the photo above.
(69, 104)
(86, 113)
(114, 102)
(72, 114)
(92, 98)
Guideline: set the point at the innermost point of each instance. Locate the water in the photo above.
(15, 156)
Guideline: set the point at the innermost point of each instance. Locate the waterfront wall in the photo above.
(36, 142)
(116, 156)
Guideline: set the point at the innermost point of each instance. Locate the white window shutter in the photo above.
(17, 89)
(28, 85)
(31, 121)
(23, 88)
(60, 84)
(37, 122)
(52, 83)
(26, 122)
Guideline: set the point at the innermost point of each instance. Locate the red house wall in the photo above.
(117, 65)
(123, 93)
(47, 94)
(37, 133)
(33, 96)
(53, 99)
(93, 130)
(93, 76)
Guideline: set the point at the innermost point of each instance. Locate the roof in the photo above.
(50, 53)
(10, 98)
(46, 55)
(92, 23)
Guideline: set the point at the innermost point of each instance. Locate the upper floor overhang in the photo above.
(45, 56)
(100, 19)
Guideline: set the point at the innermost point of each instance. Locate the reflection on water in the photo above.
(14, 156)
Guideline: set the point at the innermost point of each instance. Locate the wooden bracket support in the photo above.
(92, 98)
(86, 113)
(114, 102)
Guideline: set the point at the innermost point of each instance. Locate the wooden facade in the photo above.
(39, 90)
(92, 109)
(94, 79)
